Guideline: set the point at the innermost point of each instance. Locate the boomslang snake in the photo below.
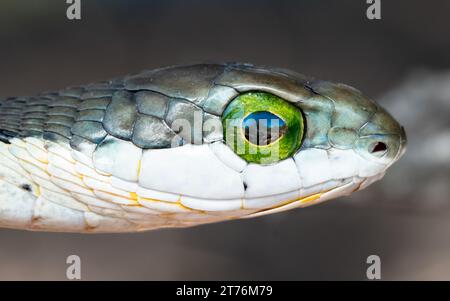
(187, 145)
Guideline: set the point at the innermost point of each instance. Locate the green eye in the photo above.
(262, 128)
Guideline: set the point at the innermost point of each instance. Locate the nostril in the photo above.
(378, 149)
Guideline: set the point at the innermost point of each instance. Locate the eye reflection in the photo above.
(263, 128)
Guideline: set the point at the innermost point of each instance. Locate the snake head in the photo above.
(342, 140)
(280, 140)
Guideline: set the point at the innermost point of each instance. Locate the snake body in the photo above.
(147, 151)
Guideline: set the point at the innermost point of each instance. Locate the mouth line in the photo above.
(310, 199)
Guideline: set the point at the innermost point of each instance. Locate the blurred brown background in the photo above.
(400, 60)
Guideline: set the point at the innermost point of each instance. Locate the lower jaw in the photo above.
(347, 187)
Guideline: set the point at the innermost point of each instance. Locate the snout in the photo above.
(382, 138)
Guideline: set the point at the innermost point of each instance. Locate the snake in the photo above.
(187, 145)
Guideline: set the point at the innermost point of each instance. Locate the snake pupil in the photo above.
(263, 128)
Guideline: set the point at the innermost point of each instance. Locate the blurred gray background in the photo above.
(401, 60)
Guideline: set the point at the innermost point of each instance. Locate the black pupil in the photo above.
(262, 128)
